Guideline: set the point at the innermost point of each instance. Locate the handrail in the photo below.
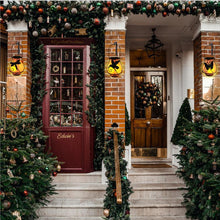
(117, 169)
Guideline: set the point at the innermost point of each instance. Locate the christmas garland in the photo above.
(23, 10)
(147, 94)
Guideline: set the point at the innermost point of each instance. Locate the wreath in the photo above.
(148, 94)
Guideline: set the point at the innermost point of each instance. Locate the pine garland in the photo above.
(199, 162)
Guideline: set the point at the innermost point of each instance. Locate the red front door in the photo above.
(65, 103)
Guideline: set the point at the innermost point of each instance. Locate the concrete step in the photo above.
(94, 207)
(97, 190)
(151, 160)
(157, 190)
(93, 177)
(132, 218)
(153, 175)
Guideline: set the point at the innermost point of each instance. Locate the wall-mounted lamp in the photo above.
(114, 67)
(16, 65)
(209, 68)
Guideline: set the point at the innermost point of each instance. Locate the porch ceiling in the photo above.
(168, 29)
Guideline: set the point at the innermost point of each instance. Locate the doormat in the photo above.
(151, 165)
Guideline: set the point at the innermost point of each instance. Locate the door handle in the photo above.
(148, 122)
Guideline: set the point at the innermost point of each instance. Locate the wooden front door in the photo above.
(149, 132)
(65, 103)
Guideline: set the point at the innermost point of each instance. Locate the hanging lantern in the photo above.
(153, 47)
(16, 65)
(114, 67)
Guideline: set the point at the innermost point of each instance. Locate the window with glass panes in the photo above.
(66, 87)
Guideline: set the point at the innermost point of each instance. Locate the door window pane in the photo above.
(66, 87)
(67, 55)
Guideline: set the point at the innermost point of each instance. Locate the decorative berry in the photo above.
(109, 3)
(105, 10)
(59, 7)
(65, 9)
(8, 12)
(138, 3)
(21, 8)
(40, 10)
(15, 149)
(164, 14)
(54, 173)
(14, 8)
(2, 8)
(211, 136)
(25, 192)
(96, 21)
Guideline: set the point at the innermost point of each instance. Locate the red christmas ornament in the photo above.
(123, 10)
(1, 21)
(54, 173)
(25, 192)
(65, 9)
(148, 7)
(21, 8)
(188, 9)
(184, 149)
(40, 10)
(15, 149)
(164, 14)
(1, 8)
(39, 171)
(109, 137)
(178, 11)
(109, 3)
(211, 136)
(96, 21)
(8, 12)
(138, 3)
(105, 10)
(115, 194)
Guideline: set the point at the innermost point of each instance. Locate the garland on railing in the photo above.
(113, 210)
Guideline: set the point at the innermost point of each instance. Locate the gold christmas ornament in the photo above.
(58, 168)
(106, 212)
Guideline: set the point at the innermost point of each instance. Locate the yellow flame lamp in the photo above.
(16, 65)
(209, 68)
(114, 67)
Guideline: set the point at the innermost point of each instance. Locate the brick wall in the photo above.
(202, 49)
(19, 87)
(115, 87)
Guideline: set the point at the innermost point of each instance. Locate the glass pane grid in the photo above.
(66, 87)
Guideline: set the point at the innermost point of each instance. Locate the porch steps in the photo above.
(156, 196)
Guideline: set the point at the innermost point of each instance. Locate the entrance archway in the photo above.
(176, 33)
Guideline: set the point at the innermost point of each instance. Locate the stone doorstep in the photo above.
(98, 203)
(100, 187)
(132, 218)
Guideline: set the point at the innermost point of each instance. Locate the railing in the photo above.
(117, 169)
